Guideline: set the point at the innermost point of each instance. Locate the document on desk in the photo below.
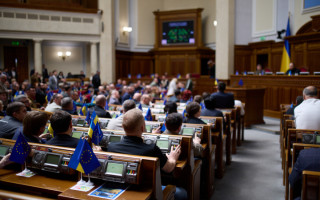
(109, 190)
(26, 173)
(82, 188)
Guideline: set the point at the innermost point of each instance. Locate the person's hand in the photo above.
(5, 160)
(157, 130)
(196, 139)
(44, 135)
(96, 148)
(174, 154)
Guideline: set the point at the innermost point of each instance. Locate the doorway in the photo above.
(17, 57)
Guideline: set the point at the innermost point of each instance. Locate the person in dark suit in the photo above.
(99, 107)
(292, 70)
(67, 105)
(210, 109)
(193, 113)
(45, 74)
(128, 95)
(61, 123)
(222, 99)
(16, 112)
(12, 74)
(299, 100)
(96, 81)
(189, 84)
(308, 159)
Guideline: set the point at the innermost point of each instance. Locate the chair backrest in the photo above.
(310, 185)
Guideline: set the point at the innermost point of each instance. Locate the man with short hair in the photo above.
(128, 94)
(23, 99)
(210, 109)
(67, 105)
(114, 99)
(96, 81)
(137, 98)
(31, 94)
(16, 112)
(222, 99)
(101, 101)
(307, 114)
(173, 127)
(53, 80)
(116, 124)
(56, 103)
(292, 70)
(61, 123)
(4, 97)
(189, 84)
(145, 100)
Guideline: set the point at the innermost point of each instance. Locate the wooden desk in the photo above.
(279, 89)
(253, 98)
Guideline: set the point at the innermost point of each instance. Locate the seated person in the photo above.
(2, 112)
(145, 100)
(198, 99)
(34, 125)
(307, 114)
(173, 127)
(31, 94)
(193, 113)
(170, 107)
(292, 70)
(210, 109)
(56, 103)
(116, 124)
(16, 112)
(134, 125)
(176, 97)
(23, 99)
(5, 161)
(259, 70)
(136, 98)
(222, 99)
(299, 100)
(67, 105)
(61, 123)
(101, 101)
(115, 98)
(308, 159)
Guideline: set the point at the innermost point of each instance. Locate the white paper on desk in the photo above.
(26, 173)
(82, 188)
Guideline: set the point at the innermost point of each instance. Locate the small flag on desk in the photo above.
(140, 106)
(20, 150)
(165, 102)
(178, 76)
(202, 105)
(129, 76)
(95, 132)
(184, 114)
(163, 128)
(289, 74)
(139, 76)
(240, 83)
(245, 73)
(216, 82)
(49, 96)
(148, 116)
(237, 73)
(83, 110)
(88, 117)
(83, 158)
(106, 107)
(50, 129)
(291, 105)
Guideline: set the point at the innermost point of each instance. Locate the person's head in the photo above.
(74, 95)
(177, 94)
(31, 92)
(137, 97)
(198, 99)
(54, 72)
(61, 122)
(131, 89)
(291, 66)
(17, 110)
(205, 95)
(145, 99)
(115, 94)
(67, 104)
(210, 63)
(193, 110)
(128, 105)
(299, 100)
(133, 122)
(174, 122)
(98, 72)
(34, 123)
(101, 100)
(221, 86)
(259, 67)
(124, 82)
(1, 106)
(57, 98)
(3, 95)
(187, 76)
(310, 92)
(119, 81)
(23, 99)
(209, 103)
(3, 78)
(170, 107)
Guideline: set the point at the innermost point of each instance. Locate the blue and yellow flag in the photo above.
(20, 151)
(16, 94)
(88, 117)
(83, 110)
(148, 116)
(50, 129)
(202, 105)
(184, 114)
(216, 82)
(285, 61)
(163, 128)
(165, 102)
(140, 106)
(178, 76)
(95, 132)
(83, 158)
(49, 96)
(106, 107)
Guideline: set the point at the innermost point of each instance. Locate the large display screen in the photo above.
(114, 138)
(178, 32)
(163, 144)
(317, 139)
(76, 134)
(52, 159)
(114, 168)
(3, 150)
(188, 131)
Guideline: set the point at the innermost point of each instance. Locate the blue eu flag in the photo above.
(184, 114)
(97, 134)
(148, 116)
(20, 150)
(140, 106)
(240, 82)
(83, 158)
(88, 117)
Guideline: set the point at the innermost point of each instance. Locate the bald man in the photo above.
(145, 100)
(99, 107)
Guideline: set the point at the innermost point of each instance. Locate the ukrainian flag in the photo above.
(285, 61)
(95, 132)
(216, 82)
(83, 110)
(50, 129)
(83, 158)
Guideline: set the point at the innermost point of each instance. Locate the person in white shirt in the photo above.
(307, 114)
(116, 124)
(56, 103)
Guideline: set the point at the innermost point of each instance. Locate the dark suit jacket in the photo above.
(96, 81)
(189, 85)
(10, 75)
(193, 120)
(28, 138)
(308, 159)
(126, 96)
(9, 125)
(64, 141)
(211, 113)
(223, 100)
(293, 71)
(101, 112)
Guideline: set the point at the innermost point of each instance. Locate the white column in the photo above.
(37, 56)
(107, 41)
(93, 57)
(224, 39)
